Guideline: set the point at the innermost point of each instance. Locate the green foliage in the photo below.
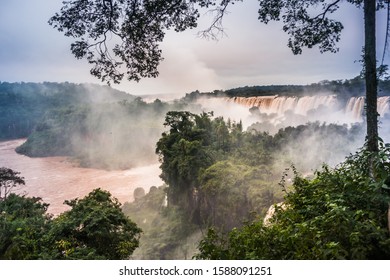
(230, 193)
(304, 29)
(193, 143)
(167, 232)
(23, 224)
(53, 135)
(139, 26)
(22, 105)
(339, 214)
(221, 176)
(94, 228)
(183, 152)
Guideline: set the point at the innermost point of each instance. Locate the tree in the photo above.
(370, 75)
(231, 193)
(23, 223)
(94, 228)
(141, 26)
(9, 179)
(183, 152)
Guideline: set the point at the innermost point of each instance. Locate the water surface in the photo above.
(56, 179)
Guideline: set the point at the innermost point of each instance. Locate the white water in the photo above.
(302, 105)
(55, 179)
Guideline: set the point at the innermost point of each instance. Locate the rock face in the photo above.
(271, 212)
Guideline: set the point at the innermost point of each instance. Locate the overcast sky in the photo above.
(251, 54)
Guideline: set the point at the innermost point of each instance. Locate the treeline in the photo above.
(22, 105)
(344, 89)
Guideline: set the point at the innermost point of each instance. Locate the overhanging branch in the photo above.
(327, 9)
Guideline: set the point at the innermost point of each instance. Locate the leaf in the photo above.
(386, 187)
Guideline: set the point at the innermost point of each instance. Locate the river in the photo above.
(56, 179)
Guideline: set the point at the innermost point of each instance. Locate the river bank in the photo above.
(56, 179)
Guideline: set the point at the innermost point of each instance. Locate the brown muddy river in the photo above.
(55, 179)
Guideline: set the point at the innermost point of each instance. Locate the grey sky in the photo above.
(251, 54)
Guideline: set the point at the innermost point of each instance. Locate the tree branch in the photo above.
(326, 10)
(216, 27)
(387, 34)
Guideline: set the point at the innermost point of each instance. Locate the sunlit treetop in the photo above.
(121, 38)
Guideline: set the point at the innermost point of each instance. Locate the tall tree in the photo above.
(141, 26)
(370, 74)
(183, 152)
(9, 179)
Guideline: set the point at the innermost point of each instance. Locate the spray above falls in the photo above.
(351, 111)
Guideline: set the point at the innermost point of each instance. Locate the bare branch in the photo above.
(216, 30)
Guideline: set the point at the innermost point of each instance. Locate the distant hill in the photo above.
(22, 105)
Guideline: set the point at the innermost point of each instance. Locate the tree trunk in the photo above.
(388, 218)
(370, 75)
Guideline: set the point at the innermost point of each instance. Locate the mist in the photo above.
(117, 131)
(331, 128)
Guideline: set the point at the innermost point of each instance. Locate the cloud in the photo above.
(182, 68)
(252, 53)
(31, 50)
(181, 71)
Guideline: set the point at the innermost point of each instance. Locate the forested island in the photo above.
(221, 178)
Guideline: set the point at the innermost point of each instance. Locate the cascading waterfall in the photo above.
(355, 107)
(302, 105)
(281, 104)
(383, 105)
(307, 103)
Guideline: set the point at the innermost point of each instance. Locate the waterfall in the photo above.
(275, 104)
(308, 103)
(354, 108)
(281, 104)
(383, 105)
